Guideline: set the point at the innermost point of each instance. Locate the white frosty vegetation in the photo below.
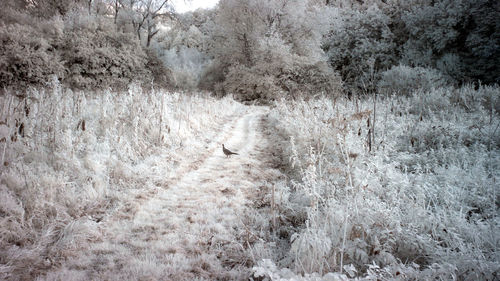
(409, 191)
(70, 159)
(398, 180)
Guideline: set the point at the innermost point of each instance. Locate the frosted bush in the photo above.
(27, 56)
(98, 59)
(359, 44)
(83, 50)
(247, 85)
(279, 71)
(405, 80)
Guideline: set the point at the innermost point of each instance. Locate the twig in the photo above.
(343, 245)
(10, 131)
(273, 205)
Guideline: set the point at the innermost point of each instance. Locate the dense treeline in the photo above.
(253, 48)
(257, 48)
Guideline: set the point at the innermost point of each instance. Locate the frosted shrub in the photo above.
(247, 85)
(279, 70)
(405, 80)
(84, 51)
(97, 59)
(27, 56)
(360, 39)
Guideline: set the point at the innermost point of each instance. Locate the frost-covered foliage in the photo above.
(360, 44)
(183, 52)
(84, 51)
(405, 80)
(279, 70)
(27, 54)
(409, 191)
(262, 48)
(97, 56)
(458, 37)
(70, 159)
(47, 8)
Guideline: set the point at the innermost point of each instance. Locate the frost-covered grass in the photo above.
(422, 204)
(71, 159)
(118, 176)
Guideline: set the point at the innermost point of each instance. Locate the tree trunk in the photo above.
(150, 35)
(246, 50)
(90, 6)
(117, 7)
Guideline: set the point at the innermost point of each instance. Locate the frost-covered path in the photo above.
(197, 225)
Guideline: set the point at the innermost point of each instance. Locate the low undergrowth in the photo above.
(403, 187)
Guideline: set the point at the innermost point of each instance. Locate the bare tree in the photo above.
(145, 15)
(89, 6)
(117, 6)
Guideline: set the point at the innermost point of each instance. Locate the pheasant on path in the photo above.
(227, 152)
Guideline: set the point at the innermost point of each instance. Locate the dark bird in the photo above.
(227, 152)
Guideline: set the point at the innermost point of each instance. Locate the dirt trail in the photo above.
(197, 226)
